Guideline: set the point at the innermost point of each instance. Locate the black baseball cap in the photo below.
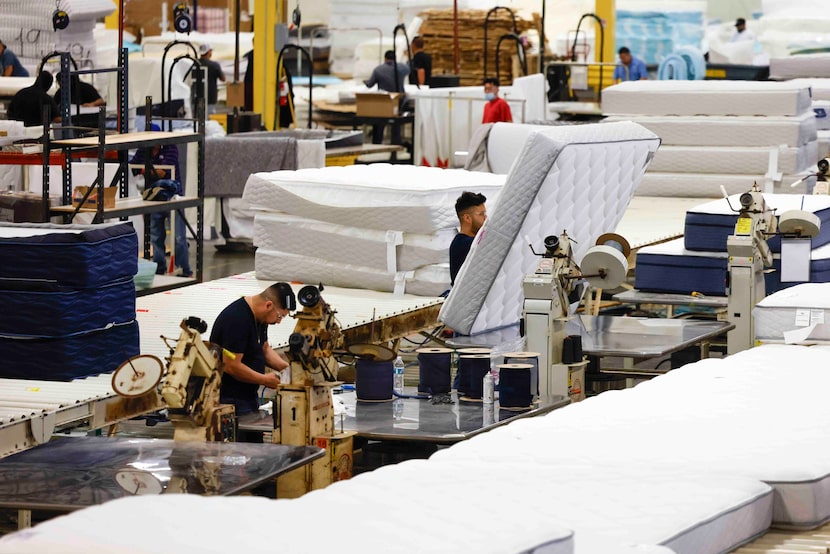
(740, 21)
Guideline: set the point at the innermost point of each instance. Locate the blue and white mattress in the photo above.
(671, 268)
(81, 256)
(578, 179)
(45, 310)
(68, 357)
(709, 225)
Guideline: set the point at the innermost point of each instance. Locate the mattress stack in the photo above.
(381, 226)
(698, 262)
(67, 299)
(729, 133)
(820, 92)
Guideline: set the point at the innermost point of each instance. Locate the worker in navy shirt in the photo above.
(242, 329)
(471, 216)
(630, 68)
(10, 66)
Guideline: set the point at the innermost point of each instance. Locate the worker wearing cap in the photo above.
(214, 74)
(741, 33)
(241, 329)
(10, 66)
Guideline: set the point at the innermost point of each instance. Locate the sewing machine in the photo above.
(303, 408)
(190, 386)
(750, 256)
(547, 305)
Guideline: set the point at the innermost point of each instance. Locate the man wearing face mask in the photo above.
(496, 109)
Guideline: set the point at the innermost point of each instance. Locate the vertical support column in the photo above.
(123, 125)
(265, 60)
(99, 182)
(607, 11)
(66, 120)
(200, 188)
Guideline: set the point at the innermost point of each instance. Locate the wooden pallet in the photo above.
(815, 541)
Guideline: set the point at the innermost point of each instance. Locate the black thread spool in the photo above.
(373, 380)
(531, 358)
(471, 371)
(514, 386)
(434, 370)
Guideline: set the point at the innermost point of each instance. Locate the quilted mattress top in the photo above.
(805, 295)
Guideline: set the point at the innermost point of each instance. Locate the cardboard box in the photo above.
(378, 104)
(92, 201)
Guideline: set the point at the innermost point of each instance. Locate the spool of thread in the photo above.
(434, 371)
(531, 358)
(471, 371)
(514, 385)
(572, 349)
(373, 380)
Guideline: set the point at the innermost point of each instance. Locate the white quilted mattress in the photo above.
(577, 178)
(406, 198)
(820, 88)
(759, 414)
(704, 185)
(272, 265)
(706, 98)
(802, 65)
(740, 160)
(799, 313)
(728, 130)
(388, 251)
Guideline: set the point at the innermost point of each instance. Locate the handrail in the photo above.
(401, 27)
(486, 24)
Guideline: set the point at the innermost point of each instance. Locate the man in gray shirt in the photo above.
(385, 77)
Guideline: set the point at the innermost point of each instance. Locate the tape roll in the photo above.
(606, 260)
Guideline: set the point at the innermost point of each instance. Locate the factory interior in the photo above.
(538, 276)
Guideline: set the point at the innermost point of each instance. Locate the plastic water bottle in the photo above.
(398, 368)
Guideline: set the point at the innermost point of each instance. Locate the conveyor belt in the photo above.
(394, 316)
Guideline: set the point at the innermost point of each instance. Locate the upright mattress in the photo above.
(384, 250)
(699, 426)
(430, 280)
(411, 199)
(734, 159)
(709, 225)
(579, 179)
(709, 186)
(729, 130)
(671, 268)
(765, 98)
(797, 314)
(69, 255)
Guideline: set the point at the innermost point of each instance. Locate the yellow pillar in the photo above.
(266, 15)
(607, 12)
(111, 21)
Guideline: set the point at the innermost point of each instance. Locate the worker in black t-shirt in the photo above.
(214, 74)
(471, 216)
(27, 104)
(80, 93)
(421, 66)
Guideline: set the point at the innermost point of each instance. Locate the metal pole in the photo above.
(454, 36)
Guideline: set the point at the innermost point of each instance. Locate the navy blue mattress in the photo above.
(64, 359)
(660, 270)
(707, 231)
(80, 256)
(46, 310)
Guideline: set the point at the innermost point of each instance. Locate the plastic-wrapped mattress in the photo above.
(729, 130)
(387, 251)
(709, 225)
(69, 255)
(714, 414)
(576, 178)
(804, 308)
(411, 199)
(708, 186)
(706, 98)
(64, 358)
(429, 280)
(733, 159)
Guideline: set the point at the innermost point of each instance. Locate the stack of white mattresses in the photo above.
(699, 262)
(720, 133)
(381, 226)
(799, 314)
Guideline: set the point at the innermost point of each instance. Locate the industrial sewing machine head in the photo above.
(552, 281)
(749, 255)
(315, 338)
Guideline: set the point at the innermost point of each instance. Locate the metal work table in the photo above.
(671, 300)
(72, 473)
(415, 420)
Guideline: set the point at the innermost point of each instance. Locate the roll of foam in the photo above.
(531, 358)
(471, 371)
(373, 380)
(434, 370)
(514, 386)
